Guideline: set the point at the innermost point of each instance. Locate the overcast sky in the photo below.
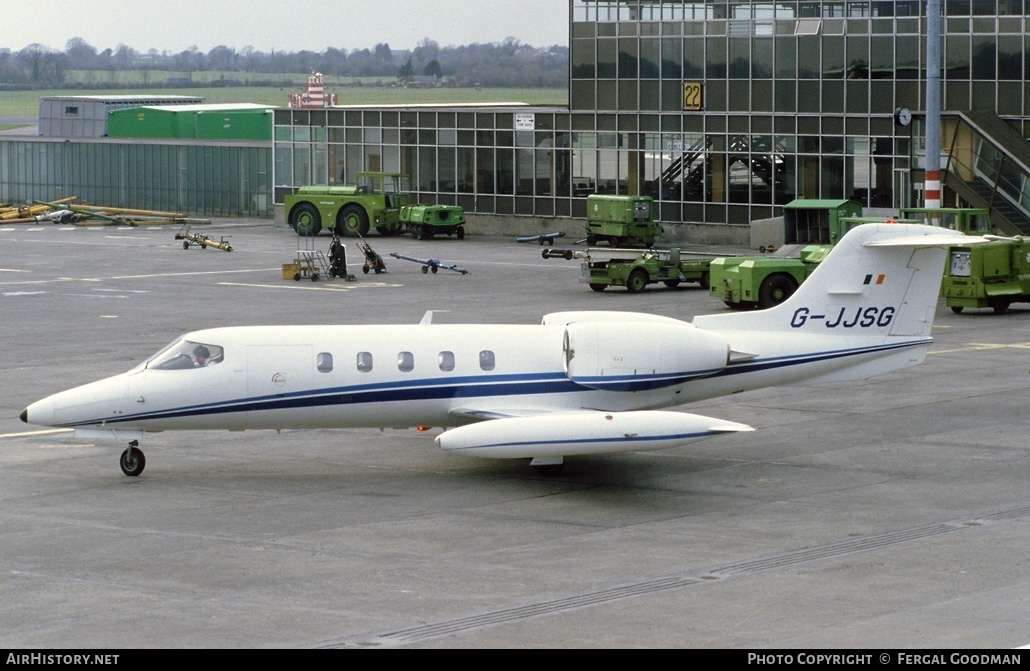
(283, 25)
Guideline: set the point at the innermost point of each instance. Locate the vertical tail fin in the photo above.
(880, 280)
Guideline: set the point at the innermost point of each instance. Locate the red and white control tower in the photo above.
(314, 97)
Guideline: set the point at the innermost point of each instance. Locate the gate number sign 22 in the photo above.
(693, 98)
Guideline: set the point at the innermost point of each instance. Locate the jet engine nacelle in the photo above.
(636, 356)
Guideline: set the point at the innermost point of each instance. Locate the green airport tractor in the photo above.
(749, 282)
(425, 221)
(625, 221)
(988, 275)
(810, 229)
(635, 269)
(992, 275)
(375, 201)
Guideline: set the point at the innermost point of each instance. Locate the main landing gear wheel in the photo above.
(132, 461)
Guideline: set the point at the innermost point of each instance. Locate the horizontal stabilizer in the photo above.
(941, 237)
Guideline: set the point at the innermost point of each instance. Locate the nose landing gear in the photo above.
(132, 461)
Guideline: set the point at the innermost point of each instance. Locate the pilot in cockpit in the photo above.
(201, 356)
(184, 354)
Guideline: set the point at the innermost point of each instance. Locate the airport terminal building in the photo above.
(722, 111)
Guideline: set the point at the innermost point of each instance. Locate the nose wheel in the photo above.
(133, 462)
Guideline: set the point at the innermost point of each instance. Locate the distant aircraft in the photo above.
(579, 383)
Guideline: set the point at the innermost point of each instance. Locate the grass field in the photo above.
(26, 103)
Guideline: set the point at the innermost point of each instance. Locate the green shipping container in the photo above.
(242, 121)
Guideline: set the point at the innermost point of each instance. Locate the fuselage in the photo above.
(400, 376)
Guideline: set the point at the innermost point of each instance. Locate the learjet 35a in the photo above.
(579, 383)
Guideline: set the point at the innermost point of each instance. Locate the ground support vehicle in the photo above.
(203, 241)
(634, 269)
(988, 275)
(805, 221)
(543, 239)
(374, 202)
(749, 282)
(971, 221)
(810, 228)
(425, 221)
(626, 221)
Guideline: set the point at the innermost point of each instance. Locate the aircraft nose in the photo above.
(40, 413)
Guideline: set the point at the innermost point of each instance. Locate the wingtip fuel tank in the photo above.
(580, 433)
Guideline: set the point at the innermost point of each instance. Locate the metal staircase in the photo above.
(987, 163)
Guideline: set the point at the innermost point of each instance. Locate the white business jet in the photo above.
(579, 383)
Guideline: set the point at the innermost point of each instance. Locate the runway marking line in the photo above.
(312, 286)
(44, 432)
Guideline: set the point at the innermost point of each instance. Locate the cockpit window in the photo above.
(187, 354)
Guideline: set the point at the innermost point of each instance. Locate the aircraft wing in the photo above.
(479, 414)
(531, 433)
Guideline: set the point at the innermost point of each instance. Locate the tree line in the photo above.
(506, 64)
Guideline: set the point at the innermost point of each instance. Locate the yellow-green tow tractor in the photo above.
(635, 269)
(811, 227)
(375, 201)
(992, 275)
(380, 200)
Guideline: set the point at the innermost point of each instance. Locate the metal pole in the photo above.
(933, 104)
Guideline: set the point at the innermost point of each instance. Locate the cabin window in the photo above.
(486, 360)
(364, 361)
(446, 361)
(405, 361)
(185, 354)
(324, 362)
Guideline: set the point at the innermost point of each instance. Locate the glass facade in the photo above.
(722, 111)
